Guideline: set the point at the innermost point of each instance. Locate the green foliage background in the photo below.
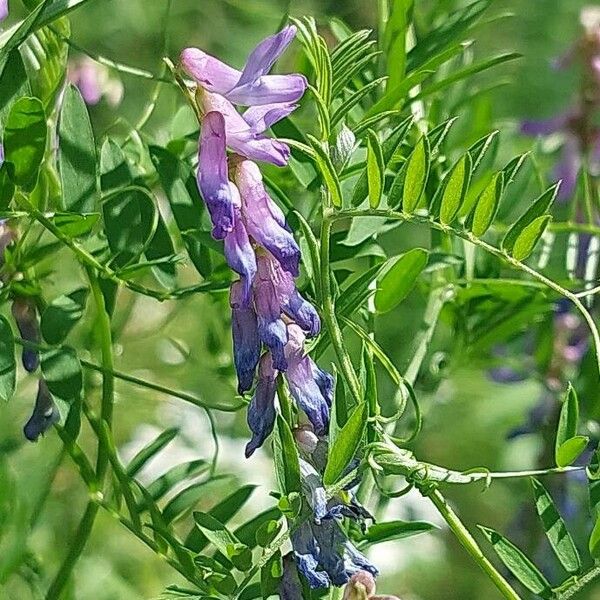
(185, 345)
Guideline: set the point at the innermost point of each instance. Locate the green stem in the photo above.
(580, 583)
(470, 545)
(106, 411)
(85, 257)
(335, 332)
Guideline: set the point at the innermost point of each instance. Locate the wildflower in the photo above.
(246, 343)
(24, 313)
(44, 415)
(322, 550)
(261, 412)
(95, 82)
(251, 86)
(264, 220)
(310, 387)
(3, 9)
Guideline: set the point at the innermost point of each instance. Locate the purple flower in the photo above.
(261, 412)
(3, 9)
(44, 415)
(271, 327)
(213, 180)
(24, 313)
(246, 138)
(264, 220)
(251, 86)
(94, 82)
(323, 552)
(238, 249)
(569, 124)
(246, 343)
(311, 388)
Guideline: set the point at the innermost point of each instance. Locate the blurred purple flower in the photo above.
(94, 81)
(251, 86)
(570, 124)
(3, 9)
(25, 315)
(44, 415)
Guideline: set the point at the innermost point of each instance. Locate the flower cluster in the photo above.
(267, 309)
(270, 319)
(24, 311)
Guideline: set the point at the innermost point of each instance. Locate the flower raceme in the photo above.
(270, 318)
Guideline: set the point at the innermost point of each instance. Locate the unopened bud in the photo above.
(360, 587)
(305, 438)
(24, 313)
(344, 147)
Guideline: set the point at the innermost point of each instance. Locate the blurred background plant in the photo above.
(489, 384)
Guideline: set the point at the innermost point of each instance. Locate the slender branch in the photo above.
(87, 521)
(470, 545)
(517, 264)
(335, 332)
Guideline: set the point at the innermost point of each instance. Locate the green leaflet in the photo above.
(130, 221)
(62, 372)
(529, 237)
(325, 166)
(538, 209)
(8, 365)
(346, 444)
(454, 190)
(375, 169)
(395, 530)
(62, 314)
(486, 206)
(225, 541)
(555, 529)
(568, 445)
(25, 141)
(417, 172)
(77, 158)
(287, 465)
(519, 565)
(399, 278)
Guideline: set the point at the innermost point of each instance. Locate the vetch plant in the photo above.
(349, 235)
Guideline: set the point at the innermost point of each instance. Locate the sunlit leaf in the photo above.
(346, 444)
(399, 278)
(77, 160)
(396, 530)
(375, 169)
(25, 140)
(417, 171)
